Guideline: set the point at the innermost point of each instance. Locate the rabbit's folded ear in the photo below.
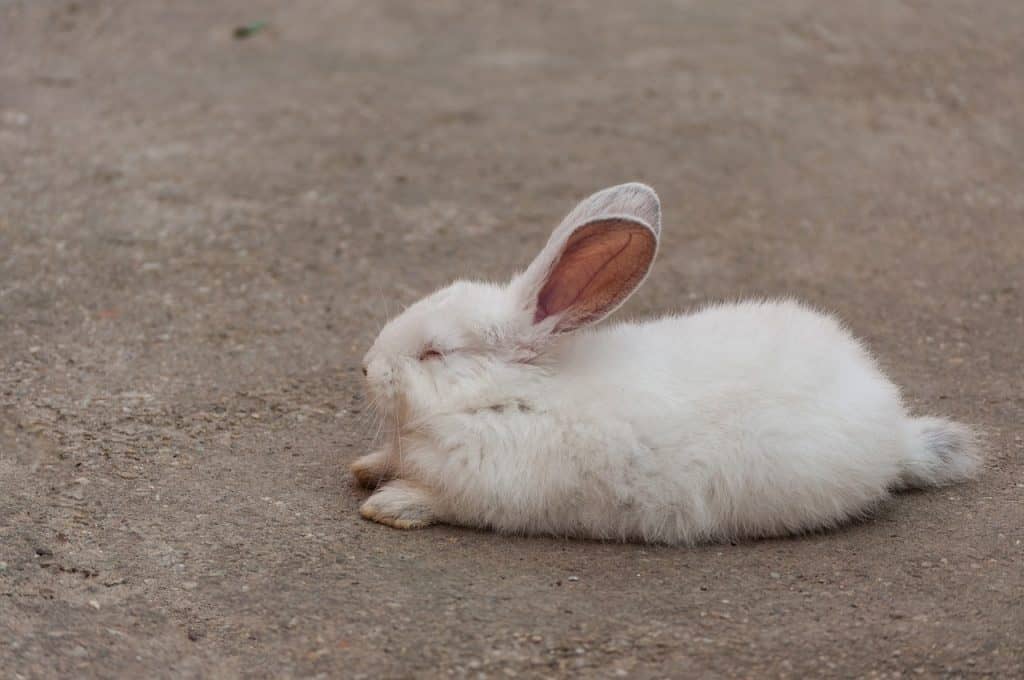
(595, 259)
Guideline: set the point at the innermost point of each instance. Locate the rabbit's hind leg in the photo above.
(401, 504)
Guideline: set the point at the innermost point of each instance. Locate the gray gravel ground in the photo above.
(199, 236)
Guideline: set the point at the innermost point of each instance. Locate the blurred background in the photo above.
(207, 209)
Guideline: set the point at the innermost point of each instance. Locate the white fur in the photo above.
(741, 420)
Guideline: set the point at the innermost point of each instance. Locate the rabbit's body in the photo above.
(750, 419)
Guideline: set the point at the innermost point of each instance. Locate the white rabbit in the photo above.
(741, 420)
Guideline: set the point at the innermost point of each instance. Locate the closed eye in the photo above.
(430, 353)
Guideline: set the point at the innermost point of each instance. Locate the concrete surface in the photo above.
(199, 236)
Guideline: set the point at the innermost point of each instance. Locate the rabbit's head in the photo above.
(472, 339)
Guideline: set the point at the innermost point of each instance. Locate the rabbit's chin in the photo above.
(408, 406)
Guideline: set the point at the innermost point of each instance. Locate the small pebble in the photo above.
(574, 578)
(16, 118)
(249, 30)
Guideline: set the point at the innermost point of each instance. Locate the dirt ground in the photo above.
(200, 235)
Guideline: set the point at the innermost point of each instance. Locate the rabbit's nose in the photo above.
(377, 370)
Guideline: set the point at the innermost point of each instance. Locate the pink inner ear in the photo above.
(600, 265)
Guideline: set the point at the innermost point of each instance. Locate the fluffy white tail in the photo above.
(941, 452)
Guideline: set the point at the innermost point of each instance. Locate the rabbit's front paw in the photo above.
(400, 504)
(372, 469)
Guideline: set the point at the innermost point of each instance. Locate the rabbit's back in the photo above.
(750, 351)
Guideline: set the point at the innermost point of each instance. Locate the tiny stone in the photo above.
(16, 118)
(775, 574)
(44, 552)
(94, 604)
(574, 578)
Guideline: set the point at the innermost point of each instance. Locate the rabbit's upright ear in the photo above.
(595, 259)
